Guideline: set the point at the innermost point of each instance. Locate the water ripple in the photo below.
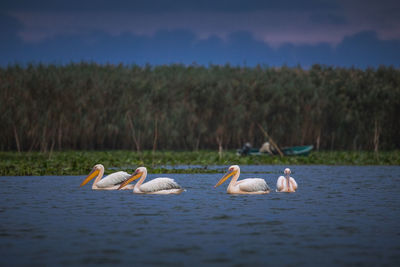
(341, 215)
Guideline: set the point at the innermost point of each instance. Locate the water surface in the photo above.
(339, 216)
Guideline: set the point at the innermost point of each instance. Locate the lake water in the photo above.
(339, 216)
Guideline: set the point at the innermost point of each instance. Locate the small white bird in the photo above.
(110, 182)
(245, 186)
(157, 186)
(287, 183)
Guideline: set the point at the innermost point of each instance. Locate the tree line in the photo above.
(87, 106)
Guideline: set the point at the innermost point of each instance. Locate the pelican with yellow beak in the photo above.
(245, 186)
(162, 186)
(110, 182)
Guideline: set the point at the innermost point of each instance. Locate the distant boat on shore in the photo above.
(287, 151)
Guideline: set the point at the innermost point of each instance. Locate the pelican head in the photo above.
(136, 175)
(234, 169)
(287, 172)
(94, 173)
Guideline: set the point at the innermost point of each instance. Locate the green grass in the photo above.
(81, 162)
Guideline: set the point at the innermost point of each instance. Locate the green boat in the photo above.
(297, 150)
(287, 151)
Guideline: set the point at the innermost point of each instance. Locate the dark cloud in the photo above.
(342, 33)
(158, 6)
(274, 22)
(328, 18)
(10, 43)
(181, 46)
(365, 49)
(9, 27)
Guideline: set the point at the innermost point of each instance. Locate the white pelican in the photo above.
(161, 186)
(110, 182)
(287, 183)
(245, 186)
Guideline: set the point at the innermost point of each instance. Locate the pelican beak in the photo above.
(134, 176)
(91, 175)
(225, 177)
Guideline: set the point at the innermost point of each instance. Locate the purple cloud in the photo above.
(271, 23)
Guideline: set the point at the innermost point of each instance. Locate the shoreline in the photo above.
(81, 162)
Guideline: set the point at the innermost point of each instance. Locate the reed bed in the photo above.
(87, 106)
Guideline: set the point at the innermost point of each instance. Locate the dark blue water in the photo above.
(339, 216)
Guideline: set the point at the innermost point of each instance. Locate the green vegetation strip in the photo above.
(81, 162)
(87, 106)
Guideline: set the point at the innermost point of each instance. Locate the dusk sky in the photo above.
(272, 33)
